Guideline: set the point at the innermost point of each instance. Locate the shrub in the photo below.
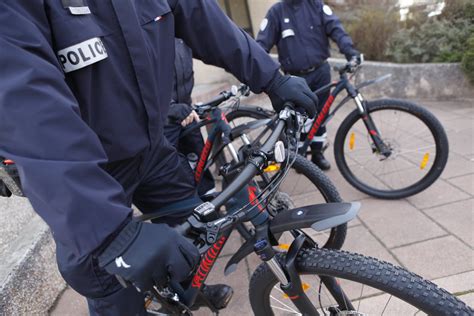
(370, 31)
(436, 40)
(468, 60)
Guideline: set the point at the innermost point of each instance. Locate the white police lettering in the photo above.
(327, 10)
(120, 263)
(263, 25)
(83, 54)
(287, 33)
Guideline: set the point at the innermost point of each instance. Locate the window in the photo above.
(238, 11)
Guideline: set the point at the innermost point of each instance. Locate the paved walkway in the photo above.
(430, 234)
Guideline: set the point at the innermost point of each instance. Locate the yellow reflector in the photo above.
(305, 287)
(424, 161)
(272, 168)
(284, 246)
(352, 141)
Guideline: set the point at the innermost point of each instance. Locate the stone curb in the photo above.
(29, 279)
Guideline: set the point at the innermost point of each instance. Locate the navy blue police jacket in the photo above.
(301, 32)
(86, 82)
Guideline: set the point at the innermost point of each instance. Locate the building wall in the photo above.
(258, 9)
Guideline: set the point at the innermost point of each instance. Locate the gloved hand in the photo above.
(354, 55)
(178, 112)
(292, 89)
(147, 254)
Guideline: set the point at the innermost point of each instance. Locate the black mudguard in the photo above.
(319, 217)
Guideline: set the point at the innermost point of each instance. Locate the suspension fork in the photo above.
(287, 275)
(374, 133)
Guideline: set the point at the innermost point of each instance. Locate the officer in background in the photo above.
(182, 116)
(84, 91)
(301, 30)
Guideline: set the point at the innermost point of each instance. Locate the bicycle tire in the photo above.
(351, 268)
(422, 115)
(307, 169)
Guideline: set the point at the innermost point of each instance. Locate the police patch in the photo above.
(81, 55)
(327, 10)
(264, 24)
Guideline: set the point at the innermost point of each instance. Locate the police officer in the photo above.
(181, 115)
(84, 88)
(301, 30)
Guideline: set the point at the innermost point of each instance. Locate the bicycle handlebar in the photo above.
(252, 168)
(243, 89)
(350, 66)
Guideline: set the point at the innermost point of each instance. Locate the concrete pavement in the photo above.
(430, 234)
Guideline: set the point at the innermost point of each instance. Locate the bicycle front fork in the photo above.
(374, 133)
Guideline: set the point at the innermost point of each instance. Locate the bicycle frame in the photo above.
(213, 235)
(325, 115)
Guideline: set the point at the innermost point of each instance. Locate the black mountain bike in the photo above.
(305, 280)
(386, 148)
(226, 148)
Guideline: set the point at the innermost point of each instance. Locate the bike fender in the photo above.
(243, 128)
(245, 250)
(319, 217)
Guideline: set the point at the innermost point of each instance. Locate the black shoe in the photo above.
(318, 159)
(217, 295)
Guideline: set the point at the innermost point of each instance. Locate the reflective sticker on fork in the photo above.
(305, 286)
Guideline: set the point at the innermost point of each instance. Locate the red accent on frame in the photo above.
(372, 132)
(207, 262)
(202, 161)
(253, 197)
(294, 297)
(319, 120)
(224, 118)
(8, 162)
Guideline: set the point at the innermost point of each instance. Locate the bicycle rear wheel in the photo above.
(418, 143)
(373, 287)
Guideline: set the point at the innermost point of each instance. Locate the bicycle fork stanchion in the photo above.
(290, 282)
(371, 128)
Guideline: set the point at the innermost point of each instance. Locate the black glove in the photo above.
(292, 89)
(148, 254)
(178, 112)
(354, 55)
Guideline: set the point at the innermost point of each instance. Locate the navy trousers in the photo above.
(157, 180)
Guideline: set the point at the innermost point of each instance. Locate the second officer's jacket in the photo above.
(85, 82)
(301, 31)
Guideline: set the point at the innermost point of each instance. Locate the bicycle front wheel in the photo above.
(417, 142)
(371, 287)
